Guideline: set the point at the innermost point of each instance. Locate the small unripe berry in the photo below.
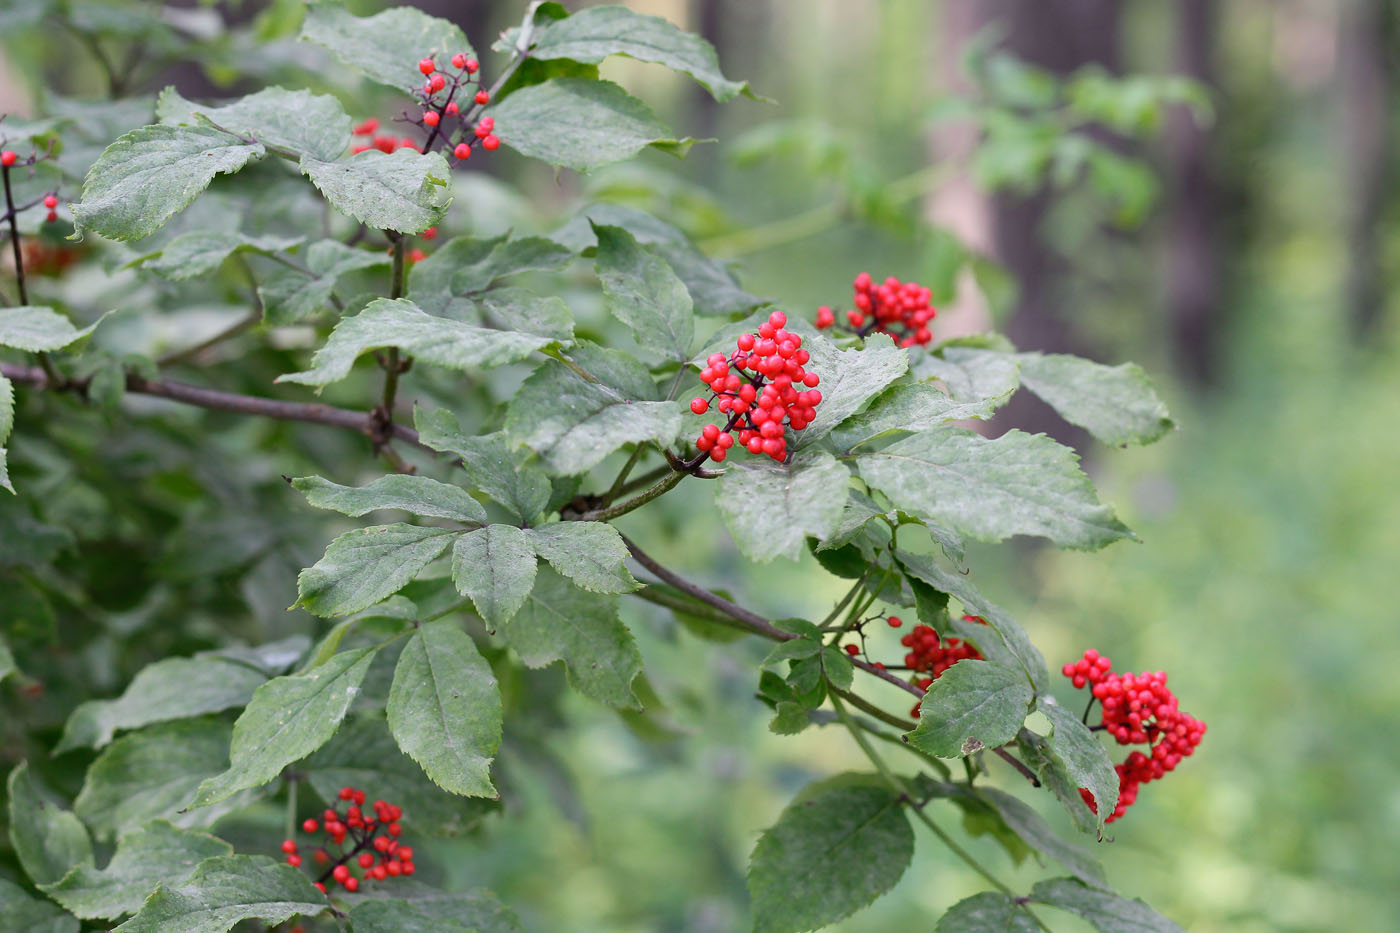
(426, 66)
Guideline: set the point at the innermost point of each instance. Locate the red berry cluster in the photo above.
(438, 99)
(383, 142)
(901, 309)
(374, 843)
(763, 387)
(930, 654)
(8, 160)
(1138, 709)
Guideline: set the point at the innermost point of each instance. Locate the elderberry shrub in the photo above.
(374, 853)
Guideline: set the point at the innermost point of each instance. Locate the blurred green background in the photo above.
(1256, 288)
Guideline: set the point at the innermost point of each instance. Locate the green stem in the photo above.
(615, 489)
(291, 818)
(845, 600)
(678, 603)
(636, 502)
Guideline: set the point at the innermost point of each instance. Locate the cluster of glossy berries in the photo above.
(763, 388)
(8, 160)
(932, 655)
(439, 99)
(357, 846)
(901, 309)
(1138, 709)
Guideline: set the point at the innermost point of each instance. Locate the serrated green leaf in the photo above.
(1082, 754)
(790, 718)
(152, 774)
(589, 553)
(417, 494)
(385, 47)
(771, 508)
(307, 124)
(490, 464)
(560, 622)
(48, 840)
(445, 708)
(288, 295)
(495, 566)
(197, 254)
(38, 329)
(20, 913)
(1036, 753)
(476, 911)
(980, 379)
(288, 718)
(400, 323)
(1017, 484)
(153, 855)
(861, 829)
(645, 294)
(792, 650)
(1108, 912)
(173, 688)
(523, 310)
(224, 890)
(364, 754)
(1036, 833)
(906, 409)
(272, 657)
(401, 190)
(837, 667)
(152, 173)
(580, 124)
(849, 378)
(591, 35)
(972, 706)
(478, 268)
(573, 422)
(988, 912)
(1117, 404)
(365, 566)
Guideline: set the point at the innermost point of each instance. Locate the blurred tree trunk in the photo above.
(1366, 28)
(1193, 198)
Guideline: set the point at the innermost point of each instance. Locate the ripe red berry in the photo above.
(429, 234)
(459, 61)
(366, 128)
(320, 887)
(366, 860)
(340, 873)
(351, 884)
(437, 83)
(853, 650)
(451, 109)
(462, 151)
(288, 846)
(294, 860)
(896, 622)
(395, 829)
(426, 66)
(430, 117)
(483, 98)
(379, 872)
(472, 66)
(51, 216)
(699, 406)
(51, 201)
(404, 853)
(310, 826)
(346, 793)
(414, 255)
(490, 143)
(8, 157)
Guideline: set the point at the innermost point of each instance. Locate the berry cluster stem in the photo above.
(51, 372)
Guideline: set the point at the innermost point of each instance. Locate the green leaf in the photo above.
(490, 464)
(560, 622)
(197, 254)
(173, 688)
(1108, 912)
(771, 508)
(288, 295)
(38, 329)
(1082, 754)
(523, 310)
(401, 190)
(849, 378)
(645, 294)
(981, 380)
(20, 913)
(1117, 404)
(272, 657)
(580, 124)
(589, 553)
(307, 124)
(48, 839)
(591, 35)
(445, 708)
(1017, 484)
(1054, 776)
(988, 912)
(480, 268)
(365, 566)
(972, 706)
(385, 47)
(477, 911)
(831, 853)
(7, 660)
(495, 566)
(1036, 833)
(288, 718)
(224, 890)
(400, 323)
(417, 494)
(573, 421)
(152, 774)
(905, 409)
(152, 173)
(153, 855)
(363, 754)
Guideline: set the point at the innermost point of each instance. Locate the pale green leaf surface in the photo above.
(155, 854)
(511, 308)
(560, 622)
(192, 255)
(401, 190)
(1017, 484)
(982, 380)
(445, 708)
(288, 295)
(20, 913)
(580, 123)
(1036, 753)
(973, 705)
(417, 494)
(365, 566)
(224, 890)
(37, 329)
(1026, 823)
(47, 839)
(771, 508)
(384, 47)
(1117, 404)
(400, 323)
(307, 124)
(1083, 755)
(988, 912)
(172, 688)
(476, 911)
(903, 408)
(507, 257)
(589, 553)
(154, 172)
(645, 294)
(849, 378)
(495, 566)
(490, 463)
(1108, 912)
(288, 718)
(830, 854)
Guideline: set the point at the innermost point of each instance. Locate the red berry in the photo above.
(359, 797)
(288, 846)
(426, 66)
(51, 216)
(51, 201)
(8, 157)
(310, 826)
(451, 109)
(366, 128)
(896, 622)
(853, 650)
(414, 255)
(394, 868)
(462, 151)
(429, 234)
(379, 872)
(459, 61)
(320, 887)
(366, 860)
(395, 829)
(431, 117)
(472, 66)
(437, 83)
(490, 143)
(294, 860)
(340, 873)
(352, 885)
(699, 406)
(346, 793)
(482, 98)
(404, 853)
